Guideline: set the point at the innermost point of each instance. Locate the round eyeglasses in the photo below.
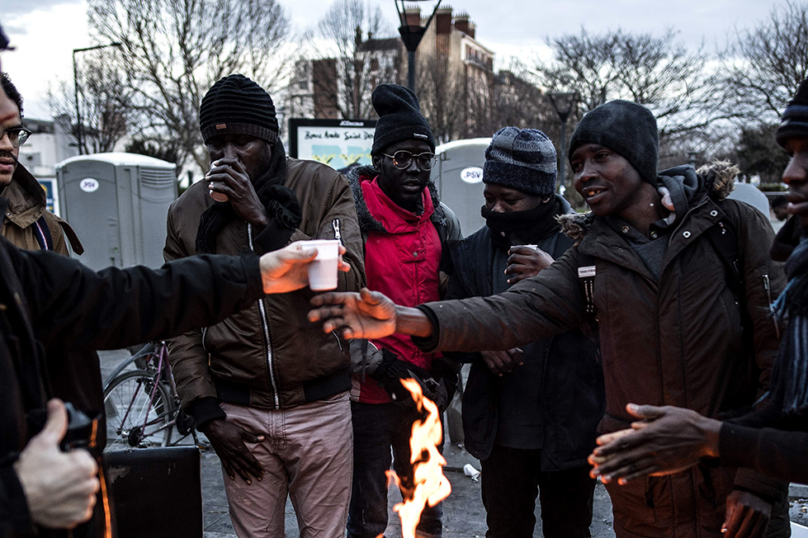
(16, 135)
(402, 159)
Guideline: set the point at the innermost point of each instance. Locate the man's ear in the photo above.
(377, 163)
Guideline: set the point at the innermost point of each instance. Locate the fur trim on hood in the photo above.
(717, 178)
(367, 223)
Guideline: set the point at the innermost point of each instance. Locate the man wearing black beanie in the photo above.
(405, 227)
(676, 282)
(267, 388)
(773, 439)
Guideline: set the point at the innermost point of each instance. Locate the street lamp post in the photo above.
(562, 103)
(79, 133)
(411, 35)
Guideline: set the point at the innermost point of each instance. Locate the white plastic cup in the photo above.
(534, 247)
(323, 271)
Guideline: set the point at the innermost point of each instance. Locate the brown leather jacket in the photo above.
(26, 204)
(269, 355)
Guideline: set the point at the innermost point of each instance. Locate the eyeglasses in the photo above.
(402, 159)
(16, 135)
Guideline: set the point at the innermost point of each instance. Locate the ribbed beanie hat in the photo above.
(237, 105)
(795, 119)
(400, 117)
(626, 128)
(522, 159)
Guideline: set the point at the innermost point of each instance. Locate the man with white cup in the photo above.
(548, 394)
(265, 386)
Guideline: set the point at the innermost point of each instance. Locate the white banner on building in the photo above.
(337, 143)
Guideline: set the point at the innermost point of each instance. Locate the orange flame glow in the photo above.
(429, 485)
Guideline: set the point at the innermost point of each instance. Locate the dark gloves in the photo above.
(384, 367)
(447, 372)
(392, 370)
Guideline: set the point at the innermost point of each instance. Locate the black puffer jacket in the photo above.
(560, 379)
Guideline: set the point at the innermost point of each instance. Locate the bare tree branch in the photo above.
(174, 50)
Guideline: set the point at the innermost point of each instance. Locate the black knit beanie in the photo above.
(400, 118)
(522, 159)
(795, 119)
(237, 105)
(626, 128)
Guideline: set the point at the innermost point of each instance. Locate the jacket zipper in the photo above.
(767, 285)
(265, 327)
(338, 237)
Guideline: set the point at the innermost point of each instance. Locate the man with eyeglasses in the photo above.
(405, 228)
(28, 224)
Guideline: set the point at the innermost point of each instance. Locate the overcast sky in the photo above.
(45, 31)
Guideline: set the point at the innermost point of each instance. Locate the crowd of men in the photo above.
(663, 296)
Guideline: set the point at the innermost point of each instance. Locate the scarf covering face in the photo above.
(790, 376)
(533, 224)
(279, 201)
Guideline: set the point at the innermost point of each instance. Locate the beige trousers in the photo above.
(308, 454)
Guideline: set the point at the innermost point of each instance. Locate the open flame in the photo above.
(429, 485)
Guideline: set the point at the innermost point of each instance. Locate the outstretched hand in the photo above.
(367, 314)
(286, 269)
(668, 440)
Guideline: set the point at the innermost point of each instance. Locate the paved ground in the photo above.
(464, 516)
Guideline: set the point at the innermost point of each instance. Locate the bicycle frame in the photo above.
(161, 374)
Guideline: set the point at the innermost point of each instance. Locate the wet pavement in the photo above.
(464, 515)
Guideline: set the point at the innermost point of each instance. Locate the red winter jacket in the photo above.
(402, 260)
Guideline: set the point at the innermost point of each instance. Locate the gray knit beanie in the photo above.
(521, 159)
(626, 128)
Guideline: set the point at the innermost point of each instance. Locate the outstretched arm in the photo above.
(78, 308)
(536, 308)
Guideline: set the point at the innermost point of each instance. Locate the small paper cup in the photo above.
(324, 270)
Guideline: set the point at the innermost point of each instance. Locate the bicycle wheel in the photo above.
(134, 418)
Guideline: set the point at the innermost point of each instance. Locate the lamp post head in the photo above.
(411, 30)
(563, 103)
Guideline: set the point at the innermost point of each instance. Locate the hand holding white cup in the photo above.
(324, 270)
(218, 196)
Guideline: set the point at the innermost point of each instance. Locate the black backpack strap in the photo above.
(43, 234)
(724, 239)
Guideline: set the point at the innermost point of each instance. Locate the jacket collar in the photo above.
(700, 197)
(394, 218)
(26, 198)
(359, 174)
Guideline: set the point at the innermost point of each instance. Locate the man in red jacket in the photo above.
(404, 227)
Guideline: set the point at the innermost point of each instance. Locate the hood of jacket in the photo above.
(367, 223)
(26, 198)
(686, 185)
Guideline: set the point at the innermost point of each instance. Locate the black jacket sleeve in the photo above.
(74, 307)
(778, 453)
(14, 516)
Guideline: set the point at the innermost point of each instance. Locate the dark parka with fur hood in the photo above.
(676, 340)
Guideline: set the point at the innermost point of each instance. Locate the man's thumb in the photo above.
(56, 425)
(370, 297)
(643, 411)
